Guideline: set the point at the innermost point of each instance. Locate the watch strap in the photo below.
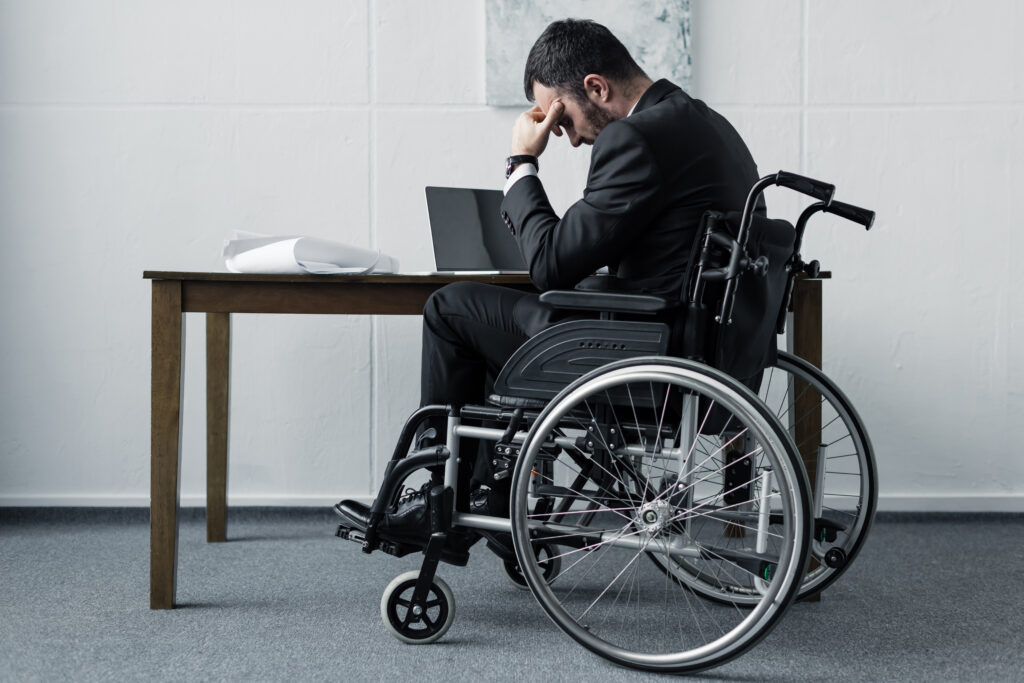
(516, 159)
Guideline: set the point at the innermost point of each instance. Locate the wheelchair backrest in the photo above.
(746, 345)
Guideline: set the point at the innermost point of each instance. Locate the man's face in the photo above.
(581, 121)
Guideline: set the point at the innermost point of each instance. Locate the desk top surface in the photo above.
(373, 278)
(376, 278)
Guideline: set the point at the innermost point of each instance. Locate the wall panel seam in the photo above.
(804, 80)
(371, 148)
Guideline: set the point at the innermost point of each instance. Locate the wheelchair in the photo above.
(660, 510)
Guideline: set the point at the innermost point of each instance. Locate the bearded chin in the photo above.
(597, 118)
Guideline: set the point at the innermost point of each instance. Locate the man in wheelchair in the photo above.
(660, 159)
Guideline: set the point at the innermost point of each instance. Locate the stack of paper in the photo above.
(252, 253)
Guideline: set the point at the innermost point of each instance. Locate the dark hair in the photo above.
(570, 49)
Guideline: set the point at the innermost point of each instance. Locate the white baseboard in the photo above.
(890, 503)
(136, 501)
(909, 503)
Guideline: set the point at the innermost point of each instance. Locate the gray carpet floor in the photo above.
(929, 599)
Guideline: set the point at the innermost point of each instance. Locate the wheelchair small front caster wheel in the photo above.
(417, 623)
(835, 558)
(550, 564)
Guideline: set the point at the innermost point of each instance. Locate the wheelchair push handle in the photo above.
(865, 217)
(808, 186)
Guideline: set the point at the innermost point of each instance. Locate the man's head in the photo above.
(582, 65)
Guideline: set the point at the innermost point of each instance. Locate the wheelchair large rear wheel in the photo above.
(830, 435)
(615, 468)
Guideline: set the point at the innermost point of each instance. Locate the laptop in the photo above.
(468, 233)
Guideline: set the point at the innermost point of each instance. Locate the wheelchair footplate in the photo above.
(390, 547)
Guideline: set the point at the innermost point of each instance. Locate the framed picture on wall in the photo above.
(656, 33)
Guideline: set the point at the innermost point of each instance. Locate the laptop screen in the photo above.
(468, 232)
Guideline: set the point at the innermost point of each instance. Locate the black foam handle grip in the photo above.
(865, 217)
(808, 186)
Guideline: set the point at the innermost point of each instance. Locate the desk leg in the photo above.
(168, 352)
(807, 344)
(218, 362)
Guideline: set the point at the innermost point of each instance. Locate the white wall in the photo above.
(137, 135)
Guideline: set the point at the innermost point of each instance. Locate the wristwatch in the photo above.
(512, 161)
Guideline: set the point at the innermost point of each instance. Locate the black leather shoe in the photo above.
(407, 524)
(354, 513)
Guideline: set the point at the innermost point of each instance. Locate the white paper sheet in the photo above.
(252, 253)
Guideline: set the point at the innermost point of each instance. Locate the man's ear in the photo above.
(597, 87)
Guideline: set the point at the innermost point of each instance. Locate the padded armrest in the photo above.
(614, 302)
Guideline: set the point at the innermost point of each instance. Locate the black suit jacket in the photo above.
(652, 176)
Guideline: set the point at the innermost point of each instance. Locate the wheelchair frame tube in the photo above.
(763, 520)
(488, 433)
(635, 541)
(409, 428)
(492, 434)
(451, 470)
(764, 516)
(819, 481)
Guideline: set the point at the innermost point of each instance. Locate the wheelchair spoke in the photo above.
(602, 552)
(594, 546)
(622, 435)
(711, 515)
(721, 469)
(601, 506)
(700, 603)
(603, 444)
(845, 436)
(621, 572)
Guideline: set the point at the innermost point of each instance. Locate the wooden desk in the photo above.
(218, 295)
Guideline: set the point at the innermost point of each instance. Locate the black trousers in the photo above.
(469, 330)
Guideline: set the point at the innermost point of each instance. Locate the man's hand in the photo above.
(530, 131)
